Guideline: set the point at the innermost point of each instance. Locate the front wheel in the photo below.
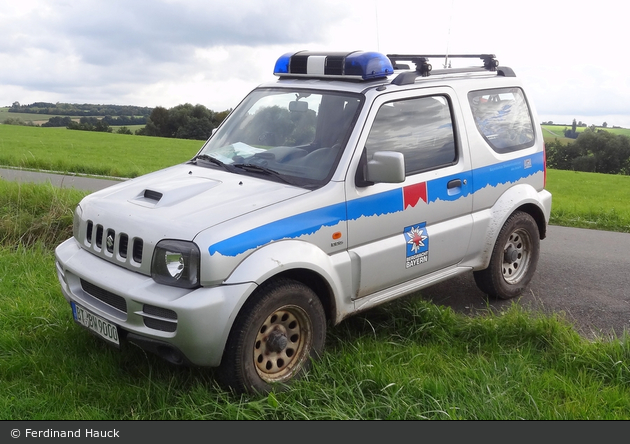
(514, 258)
(275, 336)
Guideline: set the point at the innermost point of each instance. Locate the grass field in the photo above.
(409, 359)
(108, 154)
(37, 119)
(590, 200)
(580, 199)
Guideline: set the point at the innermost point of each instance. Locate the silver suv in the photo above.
(350, 181)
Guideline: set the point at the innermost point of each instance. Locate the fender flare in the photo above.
(293, 255)
(488, 223)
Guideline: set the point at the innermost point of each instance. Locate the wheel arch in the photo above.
(539, 216)
(315, 282)
(488, 223)
(303, 262)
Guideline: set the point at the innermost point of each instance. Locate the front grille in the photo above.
(138, 245)
(107, 297)
(109, 243)
(113, 245)
(99, 236)
(123, 244)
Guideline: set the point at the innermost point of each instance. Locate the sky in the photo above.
(570, 54)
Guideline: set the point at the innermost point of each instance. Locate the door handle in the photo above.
(455, 183)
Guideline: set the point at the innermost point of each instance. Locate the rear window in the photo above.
(503, 118)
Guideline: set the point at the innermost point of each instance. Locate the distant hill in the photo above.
(75, 109)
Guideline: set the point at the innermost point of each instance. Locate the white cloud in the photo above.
(151, 52)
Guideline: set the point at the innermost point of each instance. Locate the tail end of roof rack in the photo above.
(425, 69)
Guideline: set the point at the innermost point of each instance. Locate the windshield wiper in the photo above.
(264, 170)
(214, 160)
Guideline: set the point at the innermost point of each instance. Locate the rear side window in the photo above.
(421, 129)
(503, 118)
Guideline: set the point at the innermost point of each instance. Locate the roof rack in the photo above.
(424, 68)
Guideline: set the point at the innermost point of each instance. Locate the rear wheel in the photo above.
(514, 258)
(275, 336)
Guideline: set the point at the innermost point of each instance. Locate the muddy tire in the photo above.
(514, 258)
(277, 333)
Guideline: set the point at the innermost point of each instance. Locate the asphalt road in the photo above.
(60, 180)
(583, 274)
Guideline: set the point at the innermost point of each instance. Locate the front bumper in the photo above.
(179, 324)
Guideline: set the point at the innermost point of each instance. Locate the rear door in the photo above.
(401, 231)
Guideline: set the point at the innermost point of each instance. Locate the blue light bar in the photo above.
(355, 65)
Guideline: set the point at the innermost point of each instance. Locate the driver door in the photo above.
(398, 232)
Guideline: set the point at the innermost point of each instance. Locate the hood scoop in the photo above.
(173, 192)
(153, 195)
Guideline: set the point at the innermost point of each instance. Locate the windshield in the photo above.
(291, 135)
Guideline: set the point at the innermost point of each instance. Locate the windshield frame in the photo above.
(227, 138)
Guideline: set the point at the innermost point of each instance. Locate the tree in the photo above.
(58, 121)
(593, 151)
(182, 121)
(572, 134)
(604, 125)
(90, 124)
(123, 130)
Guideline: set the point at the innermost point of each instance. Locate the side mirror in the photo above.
(386, 167)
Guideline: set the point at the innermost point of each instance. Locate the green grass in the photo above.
(408, 359)
(109, 154)
(559, 129)
(590, 200)
(132, 128)
(554, 133)
(26, 117)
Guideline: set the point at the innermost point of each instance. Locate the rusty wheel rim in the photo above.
(282, 343)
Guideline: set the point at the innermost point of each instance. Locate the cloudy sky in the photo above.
(571, 54)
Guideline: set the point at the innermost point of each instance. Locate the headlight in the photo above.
(76, 221)
(176, 263)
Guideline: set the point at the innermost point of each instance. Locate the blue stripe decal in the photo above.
(376, 205)
(508, 172)
(290, 227)
(438, 190)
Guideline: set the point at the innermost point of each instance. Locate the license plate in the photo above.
(97, 324)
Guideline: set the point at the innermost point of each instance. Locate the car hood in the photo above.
(183, 200)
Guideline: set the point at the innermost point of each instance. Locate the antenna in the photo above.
(448, 38)
(378, 42)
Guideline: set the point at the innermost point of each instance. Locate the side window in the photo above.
(421, 129)
(503, 118)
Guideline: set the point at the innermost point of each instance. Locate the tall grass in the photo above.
(31, 213)
(409, 359)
